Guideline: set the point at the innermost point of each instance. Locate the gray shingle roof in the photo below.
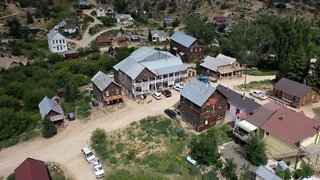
(53, 33)
(197, 92)
(158, 62)
(292, 87)
(236, 99)
(266, 174)
(183, 39)
(159, 32)
(101, 80)
(213, 63)
(47, 105)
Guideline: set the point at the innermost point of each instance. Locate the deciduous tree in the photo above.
(256, 151)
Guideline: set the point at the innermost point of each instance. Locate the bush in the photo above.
(305, 171)
(48, 129)
(256, 151)
(98, 136)
(194, 170)
(229, 171)
(211, 175)
(11, 177)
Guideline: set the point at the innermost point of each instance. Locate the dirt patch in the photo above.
(7, 62)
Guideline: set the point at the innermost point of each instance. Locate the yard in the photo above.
(264, 84)
(154, 147)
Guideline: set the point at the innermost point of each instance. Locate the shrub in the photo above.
(211, 175)
(11, 177)
(98, 136)
(48, 129)
(194, 170)
(256, 151)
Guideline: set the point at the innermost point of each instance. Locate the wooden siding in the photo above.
(210, 111)
(311, 96)
(111, 93)
(190, 54)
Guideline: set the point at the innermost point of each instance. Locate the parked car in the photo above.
(98, 169)
(88, 154)
(178, 87)
(170, 113)
(259, 95)
(156, 95)
(166, 93)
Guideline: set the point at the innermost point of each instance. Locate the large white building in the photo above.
(56, 41)
(148, 70)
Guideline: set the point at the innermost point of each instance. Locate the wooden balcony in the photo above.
(111, 98)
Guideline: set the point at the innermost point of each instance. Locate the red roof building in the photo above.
(31, 169)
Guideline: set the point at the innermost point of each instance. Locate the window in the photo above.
(228, 107)
(206, 122)
(199, 49)
(117, 91)
(52, 41)
(107, 93)
(60, 41)
(57, 41)
(207, 108)
(237, 111)
(63, 40)
(191, 50)
(220, 116)
(195, 50)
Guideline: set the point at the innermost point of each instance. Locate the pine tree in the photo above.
(48, 129)
(71, 92)
(314, 78)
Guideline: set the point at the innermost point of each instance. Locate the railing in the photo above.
(290, 155)
(240, 135)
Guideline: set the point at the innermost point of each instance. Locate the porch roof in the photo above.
(245, 125)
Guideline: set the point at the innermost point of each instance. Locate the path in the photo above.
(65, 147)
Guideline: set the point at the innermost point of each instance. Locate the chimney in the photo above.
(282, 117)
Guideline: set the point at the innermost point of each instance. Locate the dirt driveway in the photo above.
(65, 147)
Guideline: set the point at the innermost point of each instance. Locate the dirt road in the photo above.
(65, 147)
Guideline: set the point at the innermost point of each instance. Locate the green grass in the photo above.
(256, 84)
(261, 72)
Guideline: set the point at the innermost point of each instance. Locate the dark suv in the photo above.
(170, 113)
(166, 93)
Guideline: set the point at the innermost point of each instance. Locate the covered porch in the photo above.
(243, 129)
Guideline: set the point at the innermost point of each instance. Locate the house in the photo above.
(62, 23)
(186, 47)
(31, 169)
(201, 105)
(133, 37)
(168, 22)
(220, 20)
(70, 28)
(148, 70)
(84, 3)
(71, 54)
(221, 67)
(52, 108)
(237, 103)
(227, 30)
(104, 41)
(122, 39)
(286, 133)
(123, 18)
(158, 35)
(294, 93)
(263, 173)
(105, 90)
(103, 10)
(57, 42)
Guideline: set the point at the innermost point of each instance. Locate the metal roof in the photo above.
(244, 103)
(158, 62)
(101, 80)
(214, 63)
(122, 16)
(292, 87)
(245, 125)
(197, 92)
(168, 19)
(266, 174)
(47, 105)
(183, 39)
(53, 33)
(159, 32)
(31, 169)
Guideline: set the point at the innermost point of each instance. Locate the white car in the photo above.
(156, 95)
(98, 169)
(178, 87)
(259, 95)
(88, 154)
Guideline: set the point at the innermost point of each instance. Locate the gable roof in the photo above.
(158, 62)
(290, 126)
(104, 6)
(102, 39)
(101, 80)
(159, 32)
(214, 63)
(47, 105)
(183, 39)
(244, 103)
(260, 116)
(31, 169)
(292, 87)
(266, 174)
(70, 26)
(123, 16)
(220, 19)
(197, 92)
(168, 20)
(54, 32)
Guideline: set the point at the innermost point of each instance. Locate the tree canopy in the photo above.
(256, 151)
(49, 129)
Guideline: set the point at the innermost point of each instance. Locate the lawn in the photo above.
(261, 72)
(265, 84)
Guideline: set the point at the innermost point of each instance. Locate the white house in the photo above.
(158, 36)
(70, 28)
(123, 18)
(57, 42)
(237, 103)
(103, 10)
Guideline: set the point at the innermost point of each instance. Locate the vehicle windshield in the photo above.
(89, 154)
(98, 168)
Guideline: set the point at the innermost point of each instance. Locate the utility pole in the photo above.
(245, 78)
